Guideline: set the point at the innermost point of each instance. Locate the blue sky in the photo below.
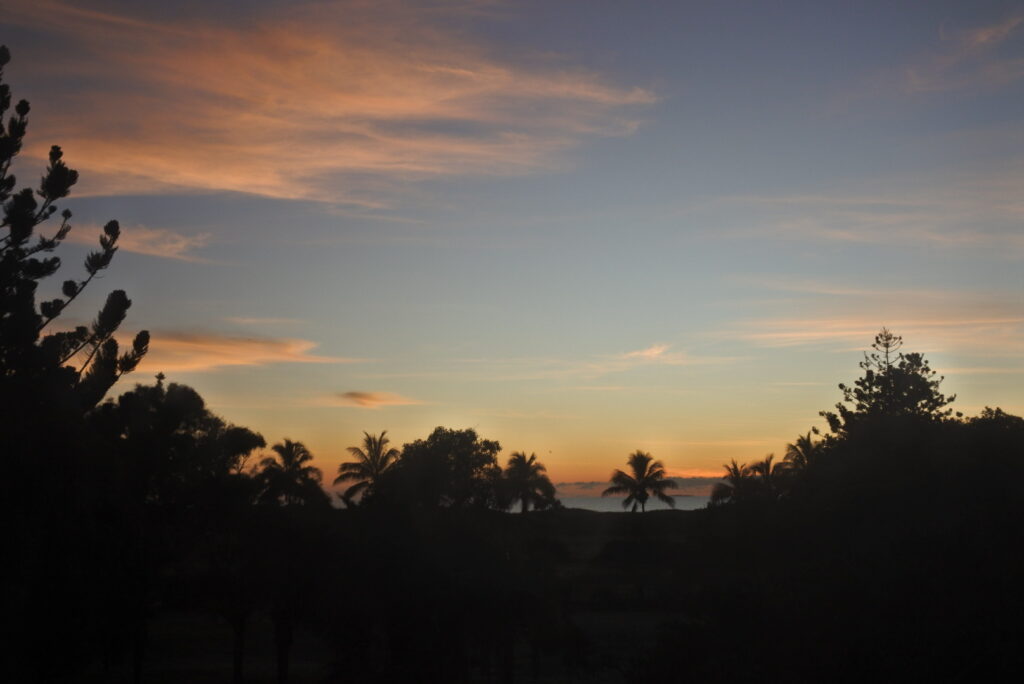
(581, 228)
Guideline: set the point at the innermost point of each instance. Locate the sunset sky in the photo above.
(580, 227)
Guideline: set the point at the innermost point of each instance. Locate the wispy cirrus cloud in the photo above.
(196, 352)
(299, 95)
(979, 210)
(584, 368)
(157, 242)
(591, 367)
(983, 58)
(262, 320)
(368, 400)
(655, 352)
(970, 59)
(1001, 336)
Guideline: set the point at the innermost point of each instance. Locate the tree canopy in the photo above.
(373, 460)
(527, 482)
(646, 477)
(894, 385)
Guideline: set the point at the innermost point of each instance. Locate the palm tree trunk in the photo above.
(525, 505)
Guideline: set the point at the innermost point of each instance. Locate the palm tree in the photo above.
(288, 478)
(803, 453)
(648, 477)
(527, 483)
(735, 486)
(373, 459)
(772, 479)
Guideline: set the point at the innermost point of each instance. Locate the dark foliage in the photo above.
(894, 386)
(59, 589)
(525, 481)
(450, 469)
(373, 460)
(646, 477)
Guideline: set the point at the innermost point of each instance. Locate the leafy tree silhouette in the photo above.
(373, 460)
(170, 443)
(288, 479)
(646, 477)
(737, 485)
(527, 482)
(761, 481)
(175, 481)
(451, 469)
(771, 477)
(894, 385)
(48, 381)
(803, 453)
(80, 364)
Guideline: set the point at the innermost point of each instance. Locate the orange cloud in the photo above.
(372, 400)
(158, 242)
(296, 97)
(653, 352)
(659, 353)
(201, 352)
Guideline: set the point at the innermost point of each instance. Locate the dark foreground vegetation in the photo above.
(142, 545)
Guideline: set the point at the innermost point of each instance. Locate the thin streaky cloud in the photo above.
(993, 34)
(657, 443)
(368, 400)
(287, 103)
(977, 210)
(654, 352)
(990, 336)
(595, 366)
(832, 288)
(524, 415)
(516, 369)
(156, 242)
(969, 62)
(199, 352)
(262, 320)
(984, 370)
(964, 59)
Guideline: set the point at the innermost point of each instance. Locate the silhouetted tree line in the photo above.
(448, 469)
(887, 549)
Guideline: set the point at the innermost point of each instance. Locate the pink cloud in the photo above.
(158, 242)
(193, 352)
(284, 103)
(371, 400)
